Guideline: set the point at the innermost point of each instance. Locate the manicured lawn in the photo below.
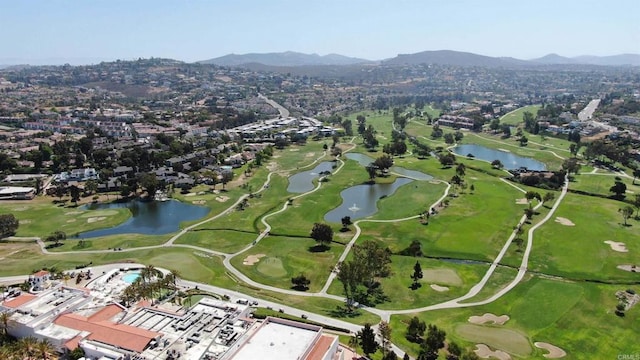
(601, 182)
(516, 117)
(40, 217)
(286, 257)
(223, 240)
(579, 251)
(124, 241)
(577, 317)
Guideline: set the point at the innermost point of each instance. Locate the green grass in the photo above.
(516, 117)
(579, 251)
(287, 257)
(601, 182)
(37, 216)
(511, 341)
(124, 241)
(223, 240)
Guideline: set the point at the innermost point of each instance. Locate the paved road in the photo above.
(284, 113)
(587, 112)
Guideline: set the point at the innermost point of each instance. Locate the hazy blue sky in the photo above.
(89, 31)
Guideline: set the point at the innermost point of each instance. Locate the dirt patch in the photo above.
(252, 259)
(631, 268)
(485, 352)
(617, 246)
(198, 202)
(564, 221)
(554, 351)
(522, 201)
(311, 154)
(222, 198)
(439, 288)
(489, 318)
(95, 219)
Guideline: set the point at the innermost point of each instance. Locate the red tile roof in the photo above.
(320, 348)
(73, 343)
(19, 301)
(120, 335)
(41, 273)
(105, 313)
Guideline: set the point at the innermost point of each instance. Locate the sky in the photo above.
(82, 31)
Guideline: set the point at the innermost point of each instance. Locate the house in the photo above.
(39, 281)
(125, 171)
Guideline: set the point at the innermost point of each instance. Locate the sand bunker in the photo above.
(222, 198)
(190, 194)
(23, 222)
(73, 212)
(617, 246)
(485, 352)
(522, 201)
(554, 351)
(94, 219)
(294, 149)
(489, 318)
(439, 288)
(565, 221)
(198, 202)
(71, 220)
(504, 150)
(252, 259)
(631, 268)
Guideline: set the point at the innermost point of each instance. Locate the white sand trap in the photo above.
(199, 202)
(94, 219)
(522, 201)
(190, 194)
(485, 352)
(554, 351)
(504, 150)
(489, 318)
(71, 220)
(311, 154)
(439, 288)
(23, 222)
(630, 268)
(252, 259)
(617, 246)
(222, 198)
(565, 221)
(73, 212)
(294, 149)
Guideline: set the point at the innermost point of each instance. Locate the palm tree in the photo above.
(26, 347)
(44, 349)
(4, 322)
(7, 353)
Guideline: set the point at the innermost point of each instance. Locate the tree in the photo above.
(636, 174)
(44, 349)
(416, 276)
(149, 182)
(226, 177)
(61, 191)
(497, 164)
(371, 170)
(447, 159)
(433, 342)
(74, 191)
(390, 356)
(626, 213)
(322, 233)
(384, 330)
(523, 140)
(300, 282)
(458, 135)
(57, 237)
(406, 357)
(383, 163)
(460, 169)
(571, 166)
(548, 197)
(619, 188)
(8, 225)
(530, 195)
(448, 138)
(368, 340)
(454, 350)
(636, 203)
(415, 330)
(346, 221)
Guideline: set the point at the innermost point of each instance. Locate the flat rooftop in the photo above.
(278, 340)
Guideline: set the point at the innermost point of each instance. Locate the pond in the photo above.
(303, 182)
(508, 159)
(361, 200)
(365, 160)
(148, 217)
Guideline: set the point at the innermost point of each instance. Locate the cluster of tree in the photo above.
(28, 347)
(379, 166)
(451, 138)
(421, 150)
(8, 225)
(323, 234)
(358, 275)
(151, 284)
(56, 237)
(300, 283)
(551, 181)
(434, 341)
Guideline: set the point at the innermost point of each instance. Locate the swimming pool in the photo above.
(131, 277)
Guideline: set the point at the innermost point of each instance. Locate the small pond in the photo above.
(509, 160)
(365, 160)
(148, 217)
(361, 200)
(303, 182)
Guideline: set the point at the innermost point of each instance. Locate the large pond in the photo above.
(150, 218)
(509, 160)
(361, 200)
(303, 182)
(365, 160)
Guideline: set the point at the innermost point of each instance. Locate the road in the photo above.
(587, 112)
(384, 314)
(284, 113)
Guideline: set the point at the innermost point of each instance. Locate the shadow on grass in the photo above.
(318, 248)
(344, 312)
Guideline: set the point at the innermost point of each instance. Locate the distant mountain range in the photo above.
(289, 58)
(440, 57)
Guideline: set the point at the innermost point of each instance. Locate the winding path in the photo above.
(384, 314)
